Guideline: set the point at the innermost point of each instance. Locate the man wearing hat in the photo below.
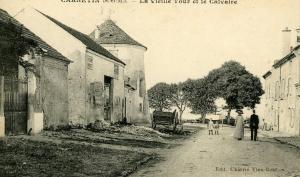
(254, 121)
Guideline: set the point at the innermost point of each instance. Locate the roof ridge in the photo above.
(287, 57)
(109, 20)
(31, 35)
(85, 39)
(116, 35)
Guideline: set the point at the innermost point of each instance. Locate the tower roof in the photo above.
(110, 33)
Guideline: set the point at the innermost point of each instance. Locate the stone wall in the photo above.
(282, 102)
(97, 67)
(137, 103)
(77, 88)
(54, 96)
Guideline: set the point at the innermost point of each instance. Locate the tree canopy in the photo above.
(201, 99)
(159, 97)
(236, 85)
(163, 96)
(232, 82)
(179, 97)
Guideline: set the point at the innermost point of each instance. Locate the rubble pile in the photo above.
(142, 131)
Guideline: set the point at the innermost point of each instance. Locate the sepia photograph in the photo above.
(149, 88)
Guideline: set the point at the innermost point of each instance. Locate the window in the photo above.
(141, 88)
(289, 85)
(267, 91)
(270, 91)
(282, 88)
(298, 38)
(277, 90)
(90, 62)
(116, 71)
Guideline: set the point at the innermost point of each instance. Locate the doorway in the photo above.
(15, 106)
(108, 95)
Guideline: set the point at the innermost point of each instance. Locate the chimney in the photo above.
(286, 41)
(97, 33)
(298, 36)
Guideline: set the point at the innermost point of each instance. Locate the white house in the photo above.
(282, 87)
(95, 78)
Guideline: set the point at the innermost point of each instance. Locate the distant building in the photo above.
(96, 77)
(34, 96)
(282, 87)
(119, 43)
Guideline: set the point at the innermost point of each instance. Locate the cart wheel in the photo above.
(174, 127)
(153, 125)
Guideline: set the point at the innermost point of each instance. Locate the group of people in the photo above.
(239, 127)
(213, 128)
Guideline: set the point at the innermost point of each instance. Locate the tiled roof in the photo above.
(288, 57)
(85, 39)
(110, 33)
(5, 17)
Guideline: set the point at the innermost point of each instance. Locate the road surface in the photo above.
(206, 155)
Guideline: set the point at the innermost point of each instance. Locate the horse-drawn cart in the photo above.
(165, 119)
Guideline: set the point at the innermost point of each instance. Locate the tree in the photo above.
(236, 85)
(159, 97)
(250, 90)
(179, 97)
(201, 98)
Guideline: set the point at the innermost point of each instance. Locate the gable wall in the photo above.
(101, 67)
(71, 48)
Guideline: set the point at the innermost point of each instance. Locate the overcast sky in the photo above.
(186, 41)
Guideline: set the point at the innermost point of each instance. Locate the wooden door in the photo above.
(15, 106)
(108, 98)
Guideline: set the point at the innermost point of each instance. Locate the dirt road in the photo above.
(205, 155)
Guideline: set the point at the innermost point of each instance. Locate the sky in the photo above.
(186, 40)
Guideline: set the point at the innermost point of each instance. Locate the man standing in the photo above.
(254, 121)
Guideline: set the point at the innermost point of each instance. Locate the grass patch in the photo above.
(30, 158)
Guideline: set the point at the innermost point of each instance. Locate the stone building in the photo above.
(282, 87)
(120, 44)
(95, 78)
(33, 95)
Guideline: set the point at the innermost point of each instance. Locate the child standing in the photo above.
(216, 128)
(210, 127)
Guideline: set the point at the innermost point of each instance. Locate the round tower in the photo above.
(120, 44)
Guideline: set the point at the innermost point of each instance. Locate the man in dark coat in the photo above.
(254, 121)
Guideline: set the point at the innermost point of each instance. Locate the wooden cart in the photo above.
(165, 119)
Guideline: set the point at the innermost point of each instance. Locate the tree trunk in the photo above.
(180, 116)
(203, 115)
